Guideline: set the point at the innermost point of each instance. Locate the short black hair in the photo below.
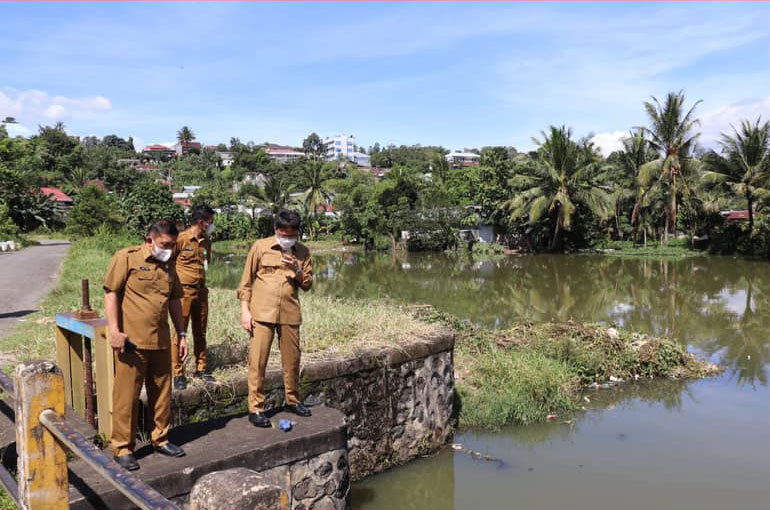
(287, 219)
(162, 228)
(201, 212)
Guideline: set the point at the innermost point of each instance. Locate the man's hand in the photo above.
(246, 320)
(118, 341)
(290, 261)
(183, 350)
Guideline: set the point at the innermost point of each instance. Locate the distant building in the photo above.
(378, 173)
(187, 147)
(133, 162)
(225, 158)
(58, 196)
(340, 146)
(158, 152)
(458, 159)
(735, 216)
(254, 178)
(283, 153)
(361, 159)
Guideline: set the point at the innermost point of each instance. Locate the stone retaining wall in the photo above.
(398, 400)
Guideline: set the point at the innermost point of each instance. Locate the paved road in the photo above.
(25, 277)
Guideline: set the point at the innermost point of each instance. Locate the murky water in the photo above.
(662, 445)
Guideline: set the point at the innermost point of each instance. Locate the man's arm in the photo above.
(175, 309)
(305, 279)
(244, 287)
(117, 338)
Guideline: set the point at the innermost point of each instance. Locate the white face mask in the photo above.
(286, 242)
(161, 254)
(210, 229)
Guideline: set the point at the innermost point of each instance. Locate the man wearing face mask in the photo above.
(276, 268)
(141, 289)
(193, 255)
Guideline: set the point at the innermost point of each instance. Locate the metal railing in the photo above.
(42, 436)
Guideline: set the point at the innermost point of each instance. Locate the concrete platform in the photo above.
(212, 446)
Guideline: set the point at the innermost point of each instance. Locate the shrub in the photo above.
(93, 211)
(147, 203)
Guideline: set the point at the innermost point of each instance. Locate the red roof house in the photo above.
(57, 195)
(735, 215)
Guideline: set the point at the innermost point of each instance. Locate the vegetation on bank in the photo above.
(530, 371)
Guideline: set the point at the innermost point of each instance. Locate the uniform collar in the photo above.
(147, 252)
(199, 237)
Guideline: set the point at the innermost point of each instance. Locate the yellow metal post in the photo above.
(42, 465)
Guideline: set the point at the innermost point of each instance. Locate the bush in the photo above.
(148, 203)
(93, 211)
(8, 229)
(235, 225)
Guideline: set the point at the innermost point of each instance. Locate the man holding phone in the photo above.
(141, 288)
(276, 268)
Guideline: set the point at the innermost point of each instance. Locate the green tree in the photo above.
(672, 134)
(8, 229)
(313, 146)
(743, 167)
(94, 210)
(317, 193)
(559, 181)
(147, 203)
(185, 135)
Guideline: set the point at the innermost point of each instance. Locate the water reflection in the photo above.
(718, 305)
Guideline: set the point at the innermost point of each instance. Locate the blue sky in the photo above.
(455, 74)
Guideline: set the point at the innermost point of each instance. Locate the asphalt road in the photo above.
(25, 277)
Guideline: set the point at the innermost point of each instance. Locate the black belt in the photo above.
(193, 285)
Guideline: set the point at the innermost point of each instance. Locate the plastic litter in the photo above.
(285, 425)
(552, 416)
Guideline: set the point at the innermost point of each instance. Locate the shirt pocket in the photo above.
(163, 283)
(145, 282)
(270, 263)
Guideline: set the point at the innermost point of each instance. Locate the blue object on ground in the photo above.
(285, 424)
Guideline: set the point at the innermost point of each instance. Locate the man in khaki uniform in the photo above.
(193, 255)
(141, 288)
(275, 269)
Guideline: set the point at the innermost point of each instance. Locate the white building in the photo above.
(341, 145)
(225, 158)
(463, 158)
(283, 154)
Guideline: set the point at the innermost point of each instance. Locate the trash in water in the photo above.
(614, 379)
(586, 399)
(552, 416)
(285, 425)
(593, 385)
(457, 446)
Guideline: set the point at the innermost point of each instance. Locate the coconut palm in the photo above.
(671, 134)
(561, 178)
(317, 194)
(743, 166)
(185, 135)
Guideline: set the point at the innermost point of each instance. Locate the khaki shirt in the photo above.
(144, 287)
(271, 288)
(192, 255)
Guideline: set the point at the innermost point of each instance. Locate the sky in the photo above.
(455, 74)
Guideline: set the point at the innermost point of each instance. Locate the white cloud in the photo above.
(609, 142)
(717, 121)
(36, 106)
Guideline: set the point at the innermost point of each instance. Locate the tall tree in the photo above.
(317, 193)
(185, 135)
(313, 146)
(560, 179)
(743, 166)
(672, 134)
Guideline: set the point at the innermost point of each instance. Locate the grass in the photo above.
(241, 246)
(524, 374)
(676, 248)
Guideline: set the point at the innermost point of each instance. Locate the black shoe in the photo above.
(260, 420)
(204, 376)
(299, 409)
(127, 462)
(180, 383)
(170, 449)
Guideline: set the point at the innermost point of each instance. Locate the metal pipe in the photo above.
(86, 296)
(141, 494)
(9, 484)
(89, 381)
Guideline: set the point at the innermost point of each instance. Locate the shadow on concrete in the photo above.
(17, 313)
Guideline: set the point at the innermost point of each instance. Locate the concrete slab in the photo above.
(212, 446)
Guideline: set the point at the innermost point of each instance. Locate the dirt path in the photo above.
(25, 277)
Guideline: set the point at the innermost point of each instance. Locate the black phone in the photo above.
(129, 346)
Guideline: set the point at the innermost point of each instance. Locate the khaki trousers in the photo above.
(153, 369)
(195, 309)
(259, 351)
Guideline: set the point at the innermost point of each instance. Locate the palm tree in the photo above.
(671, 134)
(744, 165)
(316, 195)
(185, 135)
(276, 193)
(560, 179)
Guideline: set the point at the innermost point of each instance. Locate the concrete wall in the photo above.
(398, 400)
